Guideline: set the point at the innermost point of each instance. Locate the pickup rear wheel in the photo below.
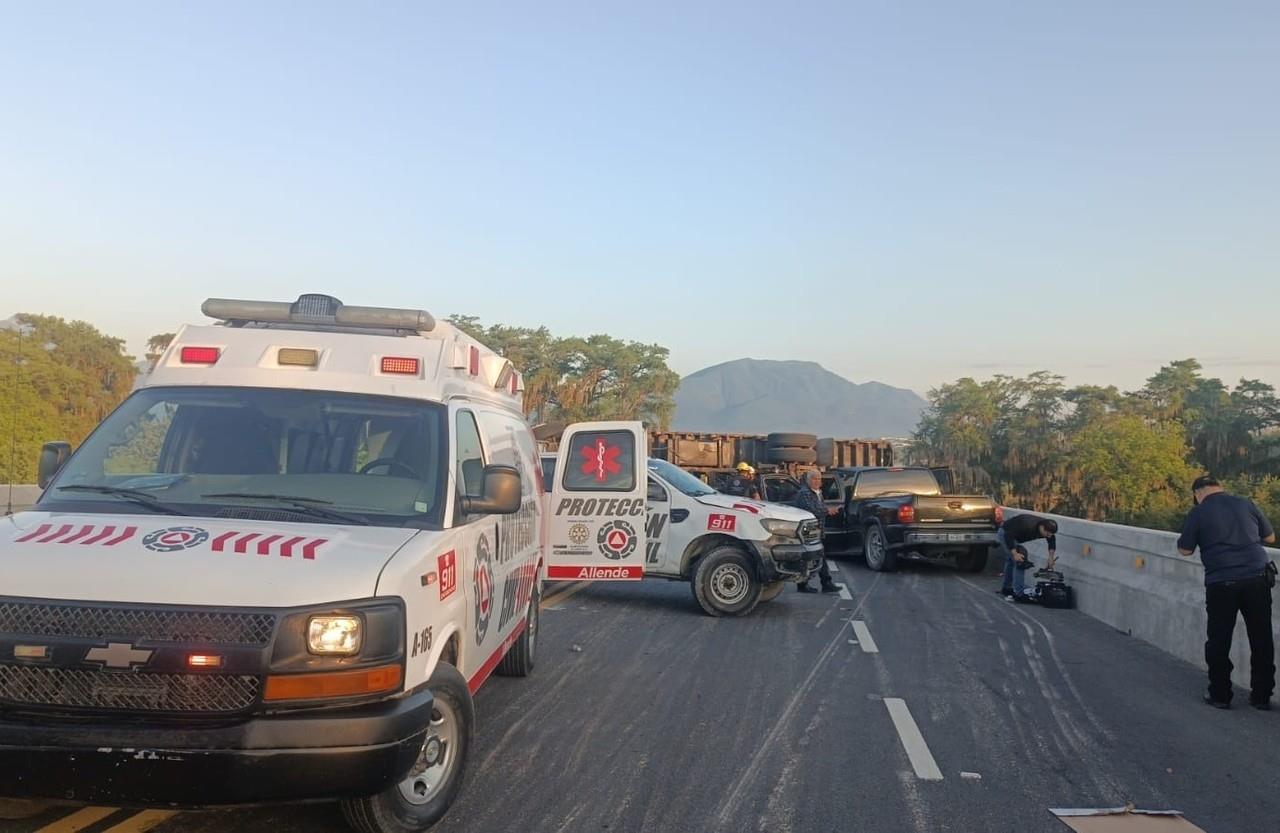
(876, 549)
(424, 796)
(973, 561)
(725, 583)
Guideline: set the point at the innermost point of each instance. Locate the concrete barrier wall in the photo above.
(1134, 580)
(24, 497)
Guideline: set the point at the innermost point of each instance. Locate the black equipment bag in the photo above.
(1053, 591)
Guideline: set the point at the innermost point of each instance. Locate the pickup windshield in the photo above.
(680, 479)
(232, 452)
(896, 482)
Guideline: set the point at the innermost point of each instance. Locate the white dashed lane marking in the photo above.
(912, 741)
(844, 593)
(864, 637)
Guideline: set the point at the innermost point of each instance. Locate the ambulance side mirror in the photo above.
(500, 487)
(52, 457)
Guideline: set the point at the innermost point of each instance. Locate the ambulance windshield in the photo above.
(301, 455)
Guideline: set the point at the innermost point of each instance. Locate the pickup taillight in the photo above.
(999, 515)
(907, 513)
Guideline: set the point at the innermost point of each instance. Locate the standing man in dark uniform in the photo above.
(743, 484)
(1010, 537)
(809, 498)
(1230, 532)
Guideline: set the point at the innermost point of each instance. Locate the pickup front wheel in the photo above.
(876, 549)
(725, 583)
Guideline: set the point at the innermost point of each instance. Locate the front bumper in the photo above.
(790, 559)
(341, 753)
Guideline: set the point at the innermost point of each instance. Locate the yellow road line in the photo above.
(142, 822)
(563, 596)
(78, 820)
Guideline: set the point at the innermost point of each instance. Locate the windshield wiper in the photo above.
(303, 505)
(133, 495)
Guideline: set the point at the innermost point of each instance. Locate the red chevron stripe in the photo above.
(242, 543)
(107, 532)
(309, 551)
(220, 542)
(129, 532)
(286, 549)
(84, 530)
(40, 530)
(264, 546)
(62, 530)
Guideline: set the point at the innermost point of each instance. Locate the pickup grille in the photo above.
(44, 687)
(135, 623)
(810, 531)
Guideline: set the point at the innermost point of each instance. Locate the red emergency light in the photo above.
(405, 365)
(200, 355)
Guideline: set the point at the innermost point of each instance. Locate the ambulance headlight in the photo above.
(781, 528)
(334, 635)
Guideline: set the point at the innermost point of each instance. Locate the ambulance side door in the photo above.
(597, 508)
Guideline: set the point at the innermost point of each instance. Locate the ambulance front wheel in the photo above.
(422, 798)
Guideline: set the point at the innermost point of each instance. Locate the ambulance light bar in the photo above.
(318, 309)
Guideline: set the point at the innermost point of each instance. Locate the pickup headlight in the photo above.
(334, 635)
(783, 529)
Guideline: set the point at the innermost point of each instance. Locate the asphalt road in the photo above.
(668, 720)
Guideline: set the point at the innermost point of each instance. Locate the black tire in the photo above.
(519, 660)
(791, 439)
(453, 721)
(773, 590)
(875, 548)
(725, 583)
(973, 561)
(778, 454)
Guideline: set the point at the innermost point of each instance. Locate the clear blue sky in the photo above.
(901, 191)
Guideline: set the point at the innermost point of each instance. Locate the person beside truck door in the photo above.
(1010, 538)
(809, 498)
(744, 483)
(1230, 532)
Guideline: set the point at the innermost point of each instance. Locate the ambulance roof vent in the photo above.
(317, 310)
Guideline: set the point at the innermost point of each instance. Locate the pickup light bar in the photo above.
(318, 309)
(406, 365)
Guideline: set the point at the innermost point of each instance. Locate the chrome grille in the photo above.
(30, 685)
(153, 624)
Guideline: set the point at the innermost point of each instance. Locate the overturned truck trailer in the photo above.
(714, 455)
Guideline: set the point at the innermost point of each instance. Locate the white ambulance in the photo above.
(734, 552)
(281, 568)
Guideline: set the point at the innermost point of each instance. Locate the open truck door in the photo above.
(597, 511)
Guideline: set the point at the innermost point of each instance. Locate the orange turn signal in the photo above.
(333, 684)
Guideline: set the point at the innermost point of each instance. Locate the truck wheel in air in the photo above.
(973, 561)
(875, 547)
(780, 454)
(772, 590)
(519, 660)
(424, 796)
(725, 583)
(791, 439)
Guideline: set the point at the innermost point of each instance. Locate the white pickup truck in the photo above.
(734, 552)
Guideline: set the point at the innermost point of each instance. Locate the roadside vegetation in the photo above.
(58, 379)
(1103, 454)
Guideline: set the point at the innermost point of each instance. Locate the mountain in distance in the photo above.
(755, 396)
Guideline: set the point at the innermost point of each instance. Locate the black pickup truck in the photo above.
(891, 513)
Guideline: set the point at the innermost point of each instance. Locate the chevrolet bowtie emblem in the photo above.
(118, 655)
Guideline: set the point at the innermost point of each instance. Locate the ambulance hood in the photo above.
(755, 507)
(162, 559)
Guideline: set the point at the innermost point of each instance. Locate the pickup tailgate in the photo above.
(955, 509)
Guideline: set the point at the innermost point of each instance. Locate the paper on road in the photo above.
(1124, 820)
